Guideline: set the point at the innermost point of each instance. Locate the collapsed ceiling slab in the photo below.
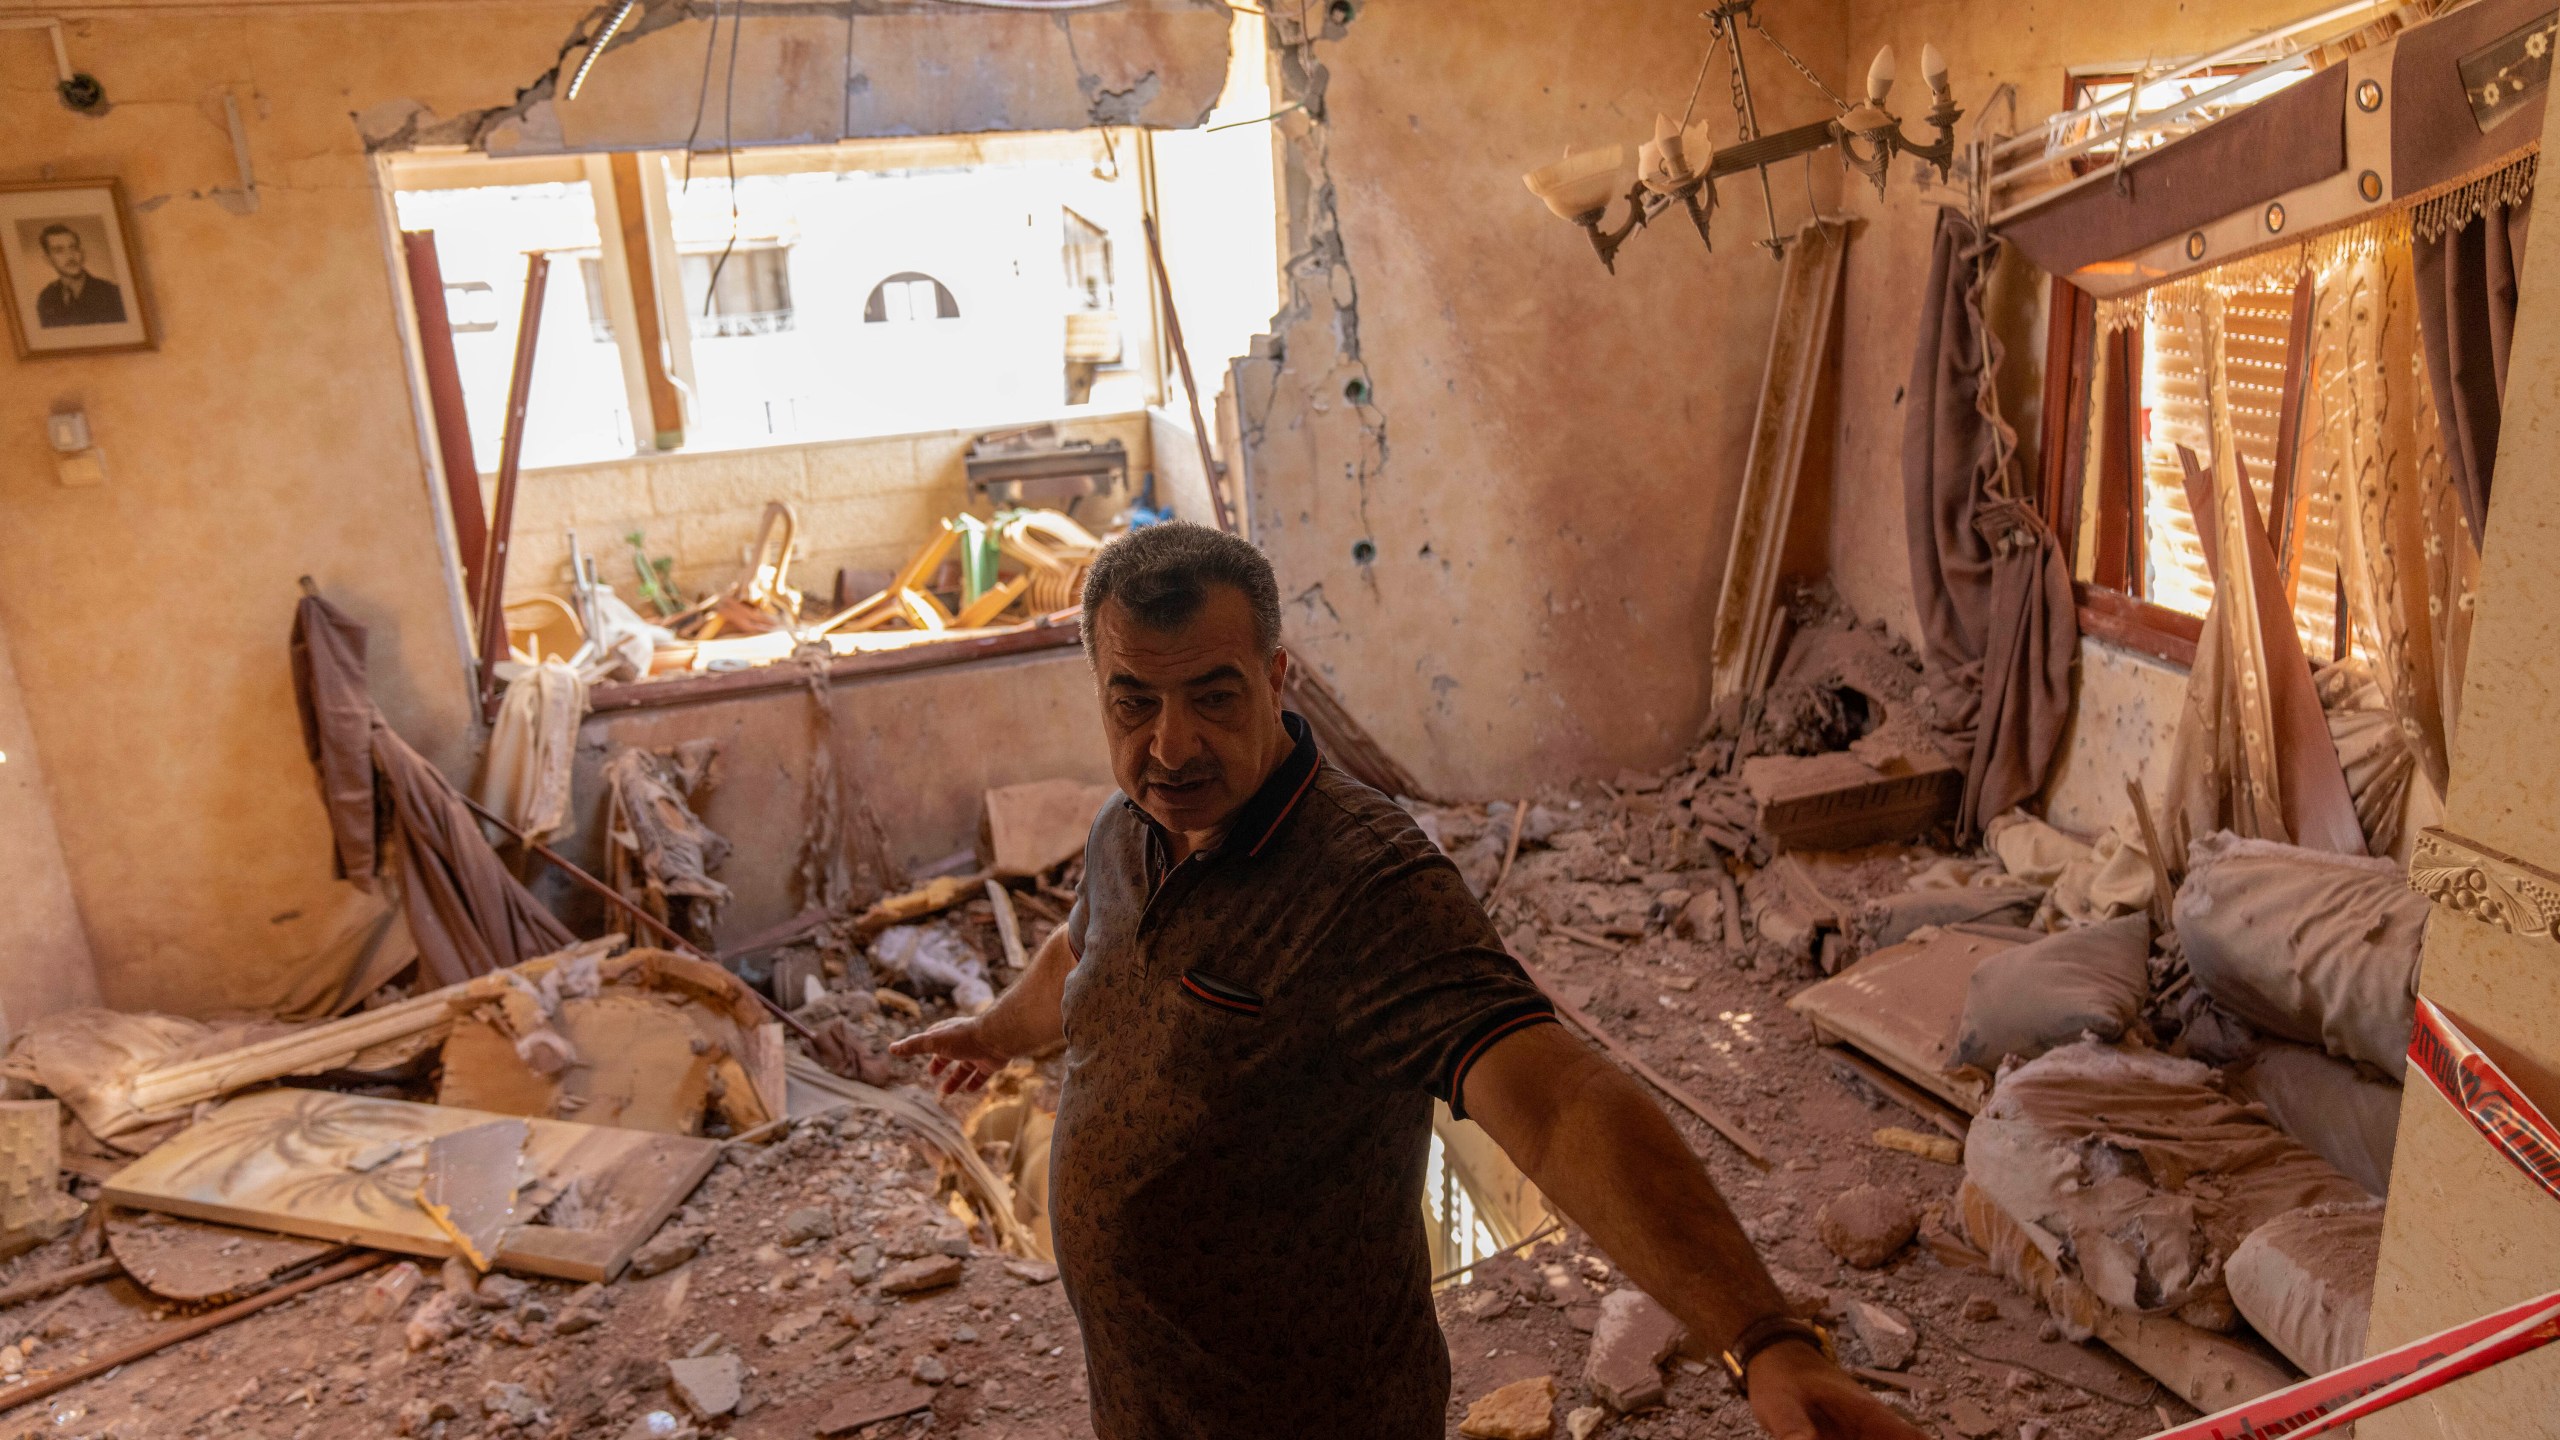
(807, 74)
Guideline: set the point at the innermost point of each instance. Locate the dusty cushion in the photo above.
(2091, 980)
(2138, 1175)
(2307, 945)
(2305, 1281)
(2347, 1115)
(1891, 919)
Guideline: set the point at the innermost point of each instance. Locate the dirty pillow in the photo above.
(2026, 1001)
(2311, 946)
(2305, 1281)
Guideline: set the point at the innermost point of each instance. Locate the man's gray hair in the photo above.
(1163, 573)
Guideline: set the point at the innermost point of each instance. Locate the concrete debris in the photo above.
(1521, 1410)
(1981, 1309)
(664, 1251)
(1628, 1345)
(914, 1277)
(1868, 1226)
(809, 1222)
(1887, 1334)
(1970, 1419)
(708, 1385)
(1031, 1272)
(928, 1369)
(1584, 1422)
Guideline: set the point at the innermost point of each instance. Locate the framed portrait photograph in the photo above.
(74, 281)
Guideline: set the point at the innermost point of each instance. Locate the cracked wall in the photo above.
(272, 434)
(1498, 482)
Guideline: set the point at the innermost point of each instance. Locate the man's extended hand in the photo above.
(1798, 1394)
(1025, 1020)
(962, 1058)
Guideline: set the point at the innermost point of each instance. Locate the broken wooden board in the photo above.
(347, 1168)
(195, 1263)
(1902, 1006)
(1839, 802)
(642, 1065)
(1802, 340)
(470, 1186)
(1026, 829)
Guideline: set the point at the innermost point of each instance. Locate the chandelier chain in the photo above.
(1801, 68)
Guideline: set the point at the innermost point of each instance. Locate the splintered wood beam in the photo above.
(502, 513)
(445, 404)
(630, 208)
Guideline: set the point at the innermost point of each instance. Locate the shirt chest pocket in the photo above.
(1215, 992)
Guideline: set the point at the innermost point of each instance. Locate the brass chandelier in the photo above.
(1680, 165)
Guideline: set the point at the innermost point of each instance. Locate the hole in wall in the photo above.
(1340, 12)
(1357, 392)
(1362, 552)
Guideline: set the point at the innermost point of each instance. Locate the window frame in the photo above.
(2111, 600)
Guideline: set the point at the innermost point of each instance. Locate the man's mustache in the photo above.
(1204, 768)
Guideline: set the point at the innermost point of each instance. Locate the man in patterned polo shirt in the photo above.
(1268, 976)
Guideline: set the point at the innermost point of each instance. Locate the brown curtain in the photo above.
(2467, 286)
(1992, 584)
(467, 913)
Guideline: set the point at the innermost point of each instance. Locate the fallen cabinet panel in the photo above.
(196, 1263)
(1840, 802)
(1903, 1006)
(348, 1168)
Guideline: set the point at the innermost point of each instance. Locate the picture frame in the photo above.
(70, 273)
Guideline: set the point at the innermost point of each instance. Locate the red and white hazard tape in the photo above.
(2327, 1401)
(2482, 1092)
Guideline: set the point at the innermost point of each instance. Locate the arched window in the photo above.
(910, 295)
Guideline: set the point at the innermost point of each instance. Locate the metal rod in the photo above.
(493, 570)
(2134, 120)
(1751, 122)
(603, 38)
(1212, 473)
(2188, 67)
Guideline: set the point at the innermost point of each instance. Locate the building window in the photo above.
(909, 295)
(746, 293)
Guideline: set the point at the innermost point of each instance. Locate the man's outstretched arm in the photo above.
(1025, 1020)
(1605, 1154)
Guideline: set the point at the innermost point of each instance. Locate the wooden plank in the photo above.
(2153, 630)
(2289, 501)
(1839, 802)
(1742, 648)
(347, 1168)
(630, 206)
(688, 689)
(1902, 1005)
(445, 404)
(502, 513)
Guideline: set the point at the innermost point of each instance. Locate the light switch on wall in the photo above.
(75, 460)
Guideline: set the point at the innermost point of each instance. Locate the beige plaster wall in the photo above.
(2122, 722)
(44, 953)
(869, 504)
(273, 433)
(2465, 1232)
(921, 747)
(1545, 458)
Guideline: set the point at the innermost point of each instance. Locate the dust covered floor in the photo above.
(797, 1238)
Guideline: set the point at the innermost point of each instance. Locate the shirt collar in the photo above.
(1262, 816)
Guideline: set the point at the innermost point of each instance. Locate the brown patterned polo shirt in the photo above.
(1254, 1037)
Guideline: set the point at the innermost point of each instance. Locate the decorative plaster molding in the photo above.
(2489, 885)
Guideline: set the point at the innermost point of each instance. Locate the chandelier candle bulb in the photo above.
(1933, 69)
(1880, 74)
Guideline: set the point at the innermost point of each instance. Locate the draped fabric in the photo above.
(2466, 298)
(1991, 581)
(2372, 435)
(465, 912)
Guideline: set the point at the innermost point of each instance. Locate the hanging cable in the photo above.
(702, 97)
(728, 144)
